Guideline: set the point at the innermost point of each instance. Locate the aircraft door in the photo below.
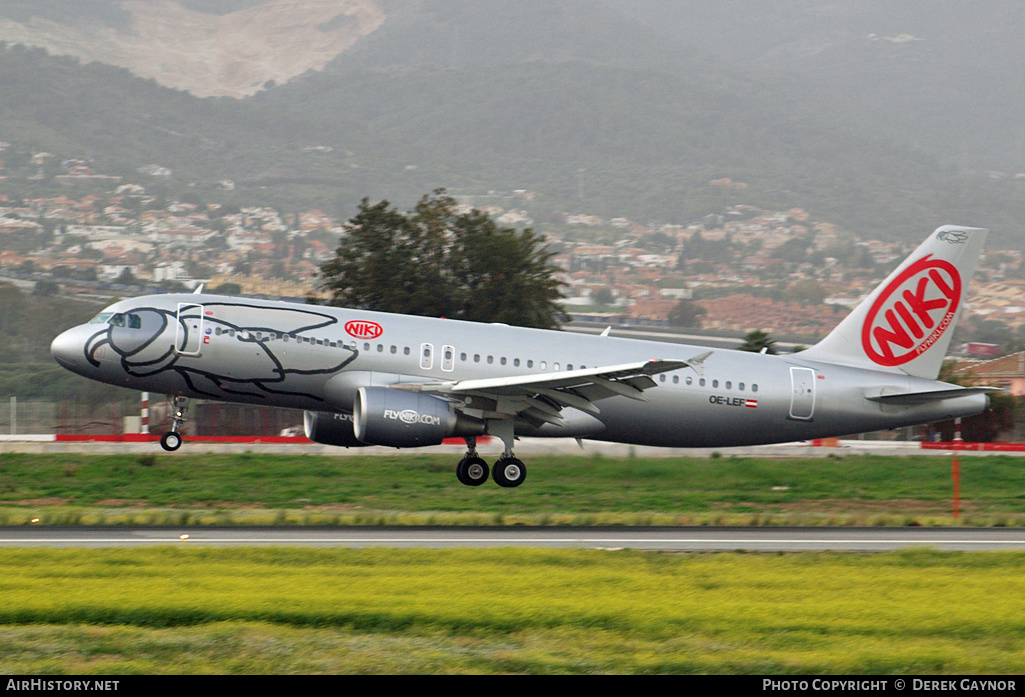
(188, 331)
(802, 395)
(426, 356)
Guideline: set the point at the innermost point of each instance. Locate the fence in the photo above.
(25, 417)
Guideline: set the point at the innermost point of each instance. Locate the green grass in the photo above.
(186, 489)
(283, 610)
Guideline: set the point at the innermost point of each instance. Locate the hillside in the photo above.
(593, 106)
(940, 75)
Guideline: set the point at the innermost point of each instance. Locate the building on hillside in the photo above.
(1007, 372)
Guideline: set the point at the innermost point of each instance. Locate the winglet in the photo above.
(698, 362)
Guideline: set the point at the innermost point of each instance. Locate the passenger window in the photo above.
(555, 366)
(530, 364)
(690, 381)
(740, 386)
(754, 388)
(715, 383)
(676, 379)
(516, 362)
(701, 382)
(729, 384)
(543, 365)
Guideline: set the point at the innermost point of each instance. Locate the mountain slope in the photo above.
(593, 110)
(940, 75)
(234, 54)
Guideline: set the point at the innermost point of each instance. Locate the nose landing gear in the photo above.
(172, 440)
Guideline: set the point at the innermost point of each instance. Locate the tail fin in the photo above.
(905, 324)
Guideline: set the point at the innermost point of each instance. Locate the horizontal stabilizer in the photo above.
(910, 398)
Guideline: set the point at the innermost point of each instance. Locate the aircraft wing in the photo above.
(540, 398)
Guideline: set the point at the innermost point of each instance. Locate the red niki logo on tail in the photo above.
(912, 312)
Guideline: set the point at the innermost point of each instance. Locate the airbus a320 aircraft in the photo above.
(371, 378)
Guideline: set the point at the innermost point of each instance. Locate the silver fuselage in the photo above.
(315, 358)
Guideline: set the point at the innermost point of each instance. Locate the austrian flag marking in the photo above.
(912, 312)
(363, 330)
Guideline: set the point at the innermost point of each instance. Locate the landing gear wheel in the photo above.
(472, 471)
(170, 441)
(509, 472)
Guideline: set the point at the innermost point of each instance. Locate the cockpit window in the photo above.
(119, 319)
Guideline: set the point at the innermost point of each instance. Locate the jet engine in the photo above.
(330, 428)
(401, 419)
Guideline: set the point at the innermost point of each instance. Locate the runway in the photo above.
(695, 539)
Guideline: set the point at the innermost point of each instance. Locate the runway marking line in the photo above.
(508, 540)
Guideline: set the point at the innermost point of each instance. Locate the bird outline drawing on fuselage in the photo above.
(155, 343)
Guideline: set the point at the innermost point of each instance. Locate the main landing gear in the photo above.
(473, 471)
(172, 440)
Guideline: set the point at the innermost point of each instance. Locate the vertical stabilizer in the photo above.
(905, 325)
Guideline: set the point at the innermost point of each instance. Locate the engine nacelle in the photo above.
(401, 419)
(330, 428)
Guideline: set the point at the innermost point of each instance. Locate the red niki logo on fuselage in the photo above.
(362, 329)
(912, 312)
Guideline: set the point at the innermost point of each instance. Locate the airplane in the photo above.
(374, 378)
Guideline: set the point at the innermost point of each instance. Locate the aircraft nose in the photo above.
(68, 349)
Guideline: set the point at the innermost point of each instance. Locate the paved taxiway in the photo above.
(668, 539)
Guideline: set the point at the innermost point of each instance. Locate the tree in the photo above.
(126, 277)
(686, 314)
(436, 262)
(757, 340)
(46, 288)
(227, 289)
